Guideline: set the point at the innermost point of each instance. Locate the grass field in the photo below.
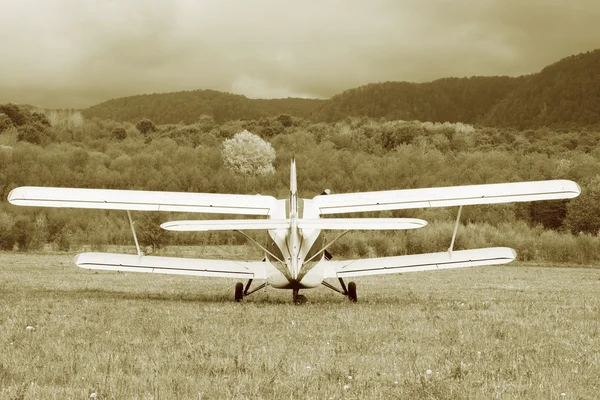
(516, 331)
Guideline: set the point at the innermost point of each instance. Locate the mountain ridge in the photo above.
(563, 94)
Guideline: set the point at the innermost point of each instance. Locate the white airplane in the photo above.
(296, 255)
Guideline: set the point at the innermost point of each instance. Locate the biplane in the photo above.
(296, 252)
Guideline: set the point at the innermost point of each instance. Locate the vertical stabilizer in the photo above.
(293, 190)
(293, 235)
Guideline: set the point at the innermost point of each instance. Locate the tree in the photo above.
(19, 116)
(145, 126)
(285, 119)
(40, 118)
(550, 214)
(5, 122)
(248, 154)
(583, 212)
(119, 133)
(149, 232)
(31, 134)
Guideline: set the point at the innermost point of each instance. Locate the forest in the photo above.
(63, 148)
(563, 95)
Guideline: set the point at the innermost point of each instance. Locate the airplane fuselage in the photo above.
(295, 253)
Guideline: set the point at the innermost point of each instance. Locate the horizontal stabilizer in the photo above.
(172, 265)
(138, 200)
(418, 262)
(269, 224)
(361, 223)
(224, 225)
(446, 196)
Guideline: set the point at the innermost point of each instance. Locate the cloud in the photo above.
(75, 53)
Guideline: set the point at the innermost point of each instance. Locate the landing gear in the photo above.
(299, 298)
(352, 292)
(349, 292)
(239, 291)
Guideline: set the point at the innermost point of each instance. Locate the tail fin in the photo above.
(293, 189)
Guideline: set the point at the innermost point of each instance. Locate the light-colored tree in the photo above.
(248, 154)
(40, 233)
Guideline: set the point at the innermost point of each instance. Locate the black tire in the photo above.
(352, 292)
(300, 299)
(239, 291)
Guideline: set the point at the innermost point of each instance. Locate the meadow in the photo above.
(520, 331)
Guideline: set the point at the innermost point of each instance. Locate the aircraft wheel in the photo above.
(300, 299)
(352, 292)
(239, 291)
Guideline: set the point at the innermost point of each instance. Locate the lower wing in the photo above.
(172, 265)
(418, 262)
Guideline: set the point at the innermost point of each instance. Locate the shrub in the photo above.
(7, 237)
(64, 239)
(23, 232)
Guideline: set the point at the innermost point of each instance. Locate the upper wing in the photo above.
(446, 196)
(418, 262)
(172, 265)
(141, 200)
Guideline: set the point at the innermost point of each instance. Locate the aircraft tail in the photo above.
(293, 189)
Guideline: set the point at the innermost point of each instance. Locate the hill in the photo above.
(447, 99)
(188, 106)
(564, 94)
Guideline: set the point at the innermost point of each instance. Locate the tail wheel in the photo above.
(239, 291)
(352, 292)
(300, 299)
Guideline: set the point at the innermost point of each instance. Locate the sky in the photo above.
(77, 53)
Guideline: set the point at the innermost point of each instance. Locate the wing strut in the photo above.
(344, 290)
(326, 246)
(259, 245)
(137, 245)
(455, 230)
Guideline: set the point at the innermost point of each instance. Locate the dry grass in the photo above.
(507, 332)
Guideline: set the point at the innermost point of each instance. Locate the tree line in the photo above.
(355, 154)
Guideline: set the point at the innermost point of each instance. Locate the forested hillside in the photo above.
(188, 106)
(563, 95)
(355, 154)
(449, 99)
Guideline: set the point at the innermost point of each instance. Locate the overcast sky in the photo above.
(76, 53)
